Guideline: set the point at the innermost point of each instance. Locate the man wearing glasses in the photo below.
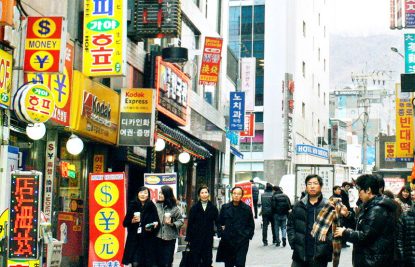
(307, 250)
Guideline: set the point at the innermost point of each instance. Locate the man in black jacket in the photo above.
(281, 205)
(405, 239)
(373, 239)
(267, 215)
(255, 197)
(307, 250)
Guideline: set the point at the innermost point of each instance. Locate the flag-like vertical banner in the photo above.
(106, 213)
(409, 13)
(248, 73)
(409, 52)
(237, 111)
(247, 197)
(389, 151)
(6, 64)
(249, 126)
(404, 130)
(209, 71)
(105, 38)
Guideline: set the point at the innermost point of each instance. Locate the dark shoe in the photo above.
(345, 246)
(284, 242)
(277, 244)
(265, 244)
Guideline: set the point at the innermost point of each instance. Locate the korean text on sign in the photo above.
(209, 71)
(404, 130)
(237, 111)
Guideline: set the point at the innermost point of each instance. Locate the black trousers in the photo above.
(256, 208)
(310, 263)
(165, 252)
(266, 221)
(202, 256)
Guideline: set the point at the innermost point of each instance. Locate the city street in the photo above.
(270, 256)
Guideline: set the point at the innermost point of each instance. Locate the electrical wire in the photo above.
(21, 9)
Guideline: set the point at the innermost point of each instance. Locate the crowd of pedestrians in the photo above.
(381, 227)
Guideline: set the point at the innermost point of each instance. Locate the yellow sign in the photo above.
(104, 38)
(137, 100)
(111, 242)
(3, 221)
(23, 263)
(94, 109)
(106, 194)
(107, 213)
(404, 130)
(390, 151)
(6, 63)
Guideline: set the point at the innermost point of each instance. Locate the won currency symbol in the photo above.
(44, 25)
(107, 196)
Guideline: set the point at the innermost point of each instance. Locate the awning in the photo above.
(236, 152)
(179, 139)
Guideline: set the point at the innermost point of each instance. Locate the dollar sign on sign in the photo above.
(107, 196)
(44, 25)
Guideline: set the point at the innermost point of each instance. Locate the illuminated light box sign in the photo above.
(24, 215)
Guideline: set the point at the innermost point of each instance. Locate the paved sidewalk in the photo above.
(270, 256)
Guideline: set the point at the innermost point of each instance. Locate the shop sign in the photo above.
(288, 88)
(23, 263)
(98, 165)
(394, 184)
(409, 52)
(60, 85)
(49, 178)
(6, 12)
(94, 109)
(209, 70)
(45, 44)
(249, 129)
(232, 136)
(409, 13)
(172, 91)
(404, 130)
(71, 233)
(312, 150)
(106, 212)
(156, 19)
(248, 73)
(68, 170)
(6, 63)
(34, 103)
(390, 151)
(137, 117)
(154, 182)
(105, 38)
(23, 235)
(247, 196)
(237, 111)
(4, 217)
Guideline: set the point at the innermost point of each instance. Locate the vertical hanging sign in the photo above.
(248, 73)
(209, 71)
(249, 130)
(237, 111)
(6, 63)
(106, 212)
(409, 52)
(390, 151)
(49, 178)
(104, 38)
(409, 13)
(404, 130)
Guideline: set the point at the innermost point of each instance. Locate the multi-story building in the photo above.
(290, 41)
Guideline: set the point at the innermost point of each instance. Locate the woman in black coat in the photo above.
(201, 228)
(141, 221)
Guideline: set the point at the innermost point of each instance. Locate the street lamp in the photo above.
(394, 49)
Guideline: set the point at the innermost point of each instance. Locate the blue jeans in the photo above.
(280, 222)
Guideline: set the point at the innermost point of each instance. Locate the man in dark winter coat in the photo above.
(405, 240)
(281, 205)
(267, 215)
(255, 197)
(236, 229)
(373, 239)
(307, 250)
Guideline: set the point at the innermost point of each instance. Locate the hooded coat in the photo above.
(373, 239)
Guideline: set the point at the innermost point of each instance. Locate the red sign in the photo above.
(45, 44)
(249, 126)
(209, 71)
(247, 187)
(172, 91)
(70, 223)
(106, 212)
(60, 85)
(24, 216)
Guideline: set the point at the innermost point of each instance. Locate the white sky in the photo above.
(360, 17)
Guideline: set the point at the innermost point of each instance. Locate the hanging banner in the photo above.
(209, 70)
(249, 129)
(409, 52)
(60, 85)
(106, 212)
(45, 44)
(23, 229)
(409, 13)
(404, 130)
(6, 12)
(105, 39)
(98, 165)
(390, 151)
(248, 73)
(237, 111)
(137, 117)
(172, 90)
(6, 63)
(154, 182)
(51, 150)
(247, 197)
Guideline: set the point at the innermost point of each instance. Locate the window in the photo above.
(318, 88)
(303, 110)
(304, 29)
(318, 127)
(259, 116)
(319, 54)
(303, 69)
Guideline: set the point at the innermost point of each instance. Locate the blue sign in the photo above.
(312, 150)
(409, 52)
(370, 155)
(237, 111)
(233, 137)
(236, 152)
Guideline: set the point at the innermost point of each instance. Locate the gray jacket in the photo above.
(167, 232)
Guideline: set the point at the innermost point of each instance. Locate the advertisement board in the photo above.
(154, 181)
(6, 63)
(247, 197)
(404, 147)
(209, 70)
(237, 111)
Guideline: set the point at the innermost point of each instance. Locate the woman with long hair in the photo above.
(170, 222)
(203, 217)
(404, 198)
(141, 221)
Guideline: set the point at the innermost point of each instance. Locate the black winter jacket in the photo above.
(373, 238)
(266, 202)
(405, 239)
(296, 232)
(281, 204)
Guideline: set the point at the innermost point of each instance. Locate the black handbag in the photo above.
(186, 257)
